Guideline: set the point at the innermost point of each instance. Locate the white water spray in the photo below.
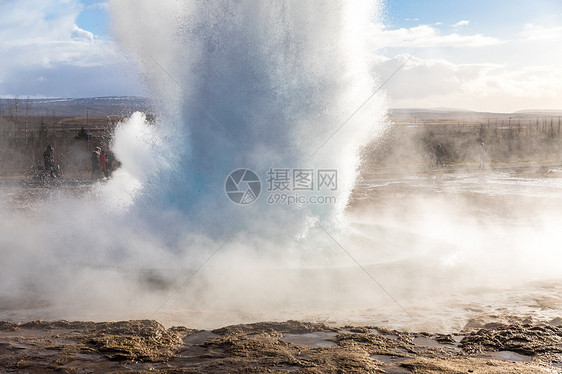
(256, 85)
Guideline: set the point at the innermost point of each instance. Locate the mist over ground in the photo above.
(264, 86)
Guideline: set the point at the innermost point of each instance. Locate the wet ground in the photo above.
(147, 347)
(25, 193)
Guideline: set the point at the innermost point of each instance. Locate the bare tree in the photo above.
(11, 109)
(16, 109)
(43, 134)
(27, 106)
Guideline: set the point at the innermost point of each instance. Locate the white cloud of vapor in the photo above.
(91, 257)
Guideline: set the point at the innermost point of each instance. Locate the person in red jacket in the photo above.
(103, 164)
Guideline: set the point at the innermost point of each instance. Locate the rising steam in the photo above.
(237, 85)
(258, 85)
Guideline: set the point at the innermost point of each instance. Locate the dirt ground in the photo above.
(519, 346)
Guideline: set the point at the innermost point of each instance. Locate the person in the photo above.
(82, 134)
(110, 159)
(95, 159)
(438, 154)
(482, 155)
(103, 163)
(49, 158)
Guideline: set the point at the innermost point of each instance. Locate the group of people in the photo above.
(102, 163)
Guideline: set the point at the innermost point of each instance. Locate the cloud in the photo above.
(464, 22)
(524, 72)
(423, 36)
(99, 5)
(42, 37)
(538, 32)
(32, 21)
(80, 34)
(476, 86)
(66, 80)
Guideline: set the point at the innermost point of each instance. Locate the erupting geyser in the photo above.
(270, 87)
(265, 86)
(258, 85)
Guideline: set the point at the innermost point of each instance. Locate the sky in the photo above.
(61, 48)
(494, 55)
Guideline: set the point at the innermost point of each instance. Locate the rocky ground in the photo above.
(519, 346)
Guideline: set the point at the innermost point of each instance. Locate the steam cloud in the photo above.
(259, 85)
(240, 85)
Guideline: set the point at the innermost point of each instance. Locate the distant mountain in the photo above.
(126, 105)
(550, 112)
(433, 110)
(70, 107)
(422, 113)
